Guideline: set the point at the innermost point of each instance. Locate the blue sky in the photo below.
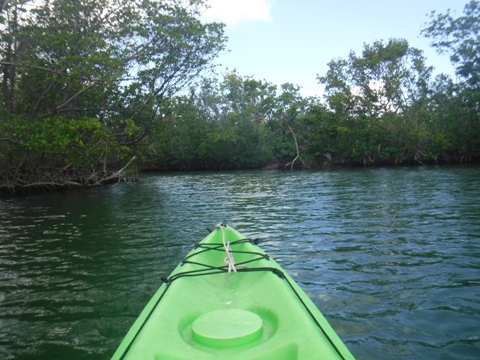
(293, 40)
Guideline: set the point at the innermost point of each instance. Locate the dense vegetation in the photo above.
(83, 82)
(93, 87)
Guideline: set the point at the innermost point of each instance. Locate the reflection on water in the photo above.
(390, 256)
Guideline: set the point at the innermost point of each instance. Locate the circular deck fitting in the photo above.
(227, 328)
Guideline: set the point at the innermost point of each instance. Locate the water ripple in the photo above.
(390, 256)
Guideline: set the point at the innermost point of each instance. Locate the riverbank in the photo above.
(53, 180)
(41, 180)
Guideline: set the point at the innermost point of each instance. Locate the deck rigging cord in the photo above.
(229, 260)
(230, 264)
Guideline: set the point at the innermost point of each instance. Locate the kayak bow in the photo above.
(229, 300)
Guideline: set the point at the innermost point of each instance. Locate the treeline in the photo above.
(97, 87)
(381, 107)
(241, 122)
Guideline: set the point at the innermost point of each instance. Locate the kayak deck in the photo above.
(254, 311)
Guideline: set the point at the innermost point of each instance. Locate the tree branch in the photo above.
(9, 139)
(9, 63)
(298, 157)
(99, 182)
(73, 97)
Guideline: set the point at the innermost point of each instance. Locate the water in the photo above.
(390, 256)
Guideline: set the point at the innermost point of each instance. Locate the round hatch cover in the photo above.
(226, 328)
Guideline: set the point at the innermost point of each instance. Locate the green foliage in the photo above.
(387, 78)
(83, 81)
(379, 102)
(459, 37)
(224, 124)
(456, 114)
(78, 142)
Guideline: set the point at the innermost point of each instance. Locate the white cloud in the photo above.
(232, 12)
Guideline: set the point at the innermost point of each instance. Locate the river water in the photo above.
(390, 256)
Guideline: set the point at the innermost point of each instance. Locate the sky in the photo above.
(292, 41)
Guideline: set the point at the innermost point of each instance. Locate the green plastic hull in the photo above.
(205, 312)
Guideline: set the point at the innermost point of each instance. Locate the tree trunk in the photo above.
(298, 157)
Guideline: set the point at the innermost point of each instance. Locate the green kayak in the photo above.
(229, 300)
